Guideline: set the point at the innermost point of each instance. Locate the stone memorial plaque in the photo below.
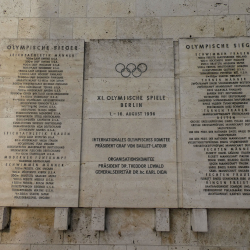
(41, 85)
(215, 122)
(129, 139)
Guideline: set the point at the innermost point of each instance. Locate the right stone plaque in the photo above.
(129, 145)
(215, 122)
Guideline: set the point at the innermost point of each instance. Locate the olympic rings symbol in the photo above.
(131, 69)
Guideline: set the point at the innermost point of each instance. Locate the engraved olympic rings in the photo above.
(131, 68)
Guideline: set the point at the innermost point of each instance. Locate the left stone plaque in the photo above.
(41, 86)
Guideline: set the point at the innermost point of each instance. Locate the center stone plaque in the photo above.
(215, 122)
(129, 145)
(41, 85)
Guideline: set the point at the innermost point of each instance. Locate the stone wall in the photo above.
(126, 229)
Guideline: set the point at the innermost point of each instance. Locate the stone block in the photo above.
(15, 8)
(199, 220)
(80, 230)
(62, 218)
(74, 8)
(94, 28)
(166, 8)
(239, 7)
(184, 248)
(36, 28)
(121, 8)
(44, 8)
(180, 233)
(231, 25)
(248, 24)
(139, 28)
(4, 217)
(212, 7)
(130, 226)
(99, 8)
(227, 227)
(147, 247)
(223, 248)
(193, 26)
(32, 226)
(8, 27)
(54, 247)
(14, 247)
(162, 220)
(98, 219)
(102, 247)
(61, 28)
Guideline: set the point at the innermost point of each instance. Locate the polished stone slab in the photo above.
(214, 102)
(41, 83)
(129, 147)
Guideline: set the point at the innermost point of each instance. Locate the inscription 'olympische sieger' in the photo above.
(41, 95)
(129, 157)
(215, 104)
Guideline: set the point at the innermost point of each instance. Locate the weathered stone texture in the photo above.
(14, 247)
(32, 225)
(166, 8)
(54, 247)
(212, 7)
(76, 8)
(130, 226)
(94, 28)
(8, 27)
(239, 7)
(61, 28)
(231, 25)
(14, 8)
(195, 26)
(36, 28)
(139, 28)
(44, 8)
(180, 233)
(80, 230)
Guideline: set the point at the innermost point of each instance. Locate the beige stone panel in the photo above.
(69, 144)
(194, 195)
(189, 62)
(227, 229)
(180, 234)
(14, 247)
(80, 230)
(102, 247)
(139, 28)
(184, 248)
(166, 8)
(137, 190)
(15, 8)
(37, 28)
(149, 247)
(99, 8)
(180, 183)
(44, 8)
(54, 247)
(8, 27)
(177, 99)
(94, 28)
(32, 226)
(126, 130)
(248, 24)
(231, 25)
(130, 226)
(157, 54)
(145, 88)
(65, 191)
(74, 8)
(61, 28)
(212, 7)
(176, 60)
(239, 7)
(122, 8)
(222, 248)
(193, 26)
